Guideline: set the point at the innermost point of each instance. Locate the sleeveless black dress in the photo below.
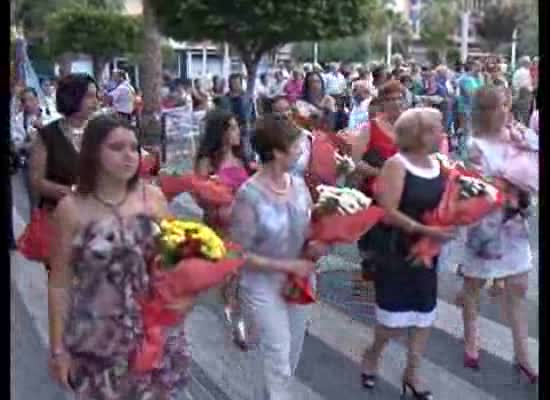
(406, 294)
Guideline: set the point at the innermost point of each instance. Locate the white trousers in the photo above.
(281, 327)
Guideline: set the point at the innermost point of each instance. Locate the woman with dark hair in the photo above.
(315, 103)
(376, 142)
(271, 216)
(97, 280)
(54, 153)
(220, 152)
(406, 296)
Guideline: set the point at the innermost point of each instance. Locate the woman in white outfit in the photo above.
(498, 248)
(270, 220)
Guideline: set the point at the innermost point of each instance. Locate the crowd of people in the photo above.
(399, 117)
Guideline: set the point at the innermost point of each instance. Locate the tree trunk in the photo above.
(65, 62)
(251, 64)
(151, 71)
(99, 65)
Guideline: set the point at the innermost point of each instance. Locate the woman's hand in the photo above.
(315, 250)
(183, 306)
(60, 365)
(300, 267)
(440, 233)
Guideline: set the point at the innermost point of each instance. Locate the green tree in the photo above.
(497, 25)
(438, 21)
(101, 34)
(528, 43)
(352, 49)
(31, 15)
(254, 27)
(386, 21)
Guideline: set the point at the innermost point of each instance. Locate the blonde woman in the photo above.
(406, 296)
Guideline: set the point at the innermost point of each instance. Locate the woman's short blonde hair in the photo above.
(412, 124)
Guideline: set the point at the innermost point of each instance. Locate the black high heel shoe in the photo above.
(426, 395)
(368, 380)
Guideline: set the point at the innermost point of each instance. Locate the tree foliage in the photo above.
(101, 34)
(32, 15)
(498, 23)
(437, 23)
(528, 43)
(352, 49)
(255, 27)
(385, 21)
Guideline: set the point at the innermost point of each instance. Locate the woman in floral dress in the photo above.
(103, 245)
(499, 247)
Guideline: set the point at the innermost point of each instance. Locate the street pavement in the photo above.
(342, 326)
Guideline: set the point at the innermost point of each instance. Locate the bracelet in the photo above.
(57, 353)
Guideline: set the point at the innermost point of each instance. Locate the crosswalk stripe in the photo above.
(496, 338)
(350, 338)
(237, 373)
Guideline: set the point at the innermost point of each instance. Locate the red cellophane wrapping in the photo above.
(170, 287)
(206, 191)
(331, 229)
(34, 242)
(452, 211)
(323, 168)
(149, 165)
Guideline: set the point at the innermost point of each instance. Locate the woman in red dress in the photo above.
(376, 141)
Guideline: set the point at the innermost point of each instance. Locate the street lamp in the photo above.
(514, 46)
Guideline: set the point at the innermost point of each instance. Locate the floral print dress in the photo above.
(104, 325)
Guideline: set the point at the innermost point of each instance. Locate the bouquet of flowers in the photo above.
(34, 242)
(192, 259)
(341, 215)
(210, 191)
(329, 160)
(466, 200)
(150, 165)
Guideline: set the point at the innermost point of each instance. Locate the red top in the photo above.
(382, 145)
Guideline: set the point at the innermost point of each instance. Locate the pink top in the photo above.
(293, 90)
(534, 122)
(233, 176)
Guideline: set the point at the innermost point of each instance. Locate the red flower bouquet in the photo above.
(465, 201)
(340, 216)
(207, 191)
(34, 242)
(192, 259)
(150, 165)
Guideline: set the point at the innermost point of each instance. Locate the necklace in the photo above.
(279, 191)
(108, 204)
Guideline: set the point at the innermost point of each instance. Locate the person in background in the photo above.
(277, 87)
(123, 95)
(294, 86)
(54, 152)
(321, 106)
(237, 102)
(199, 97)
(522, 84)
(23, 132)
(335, 81)
(361, 98)
(50, 110)
(379, 77)
(262, 93)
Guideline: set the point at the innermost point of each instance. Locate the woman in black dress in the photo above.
(54, 152)
(406, 295)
